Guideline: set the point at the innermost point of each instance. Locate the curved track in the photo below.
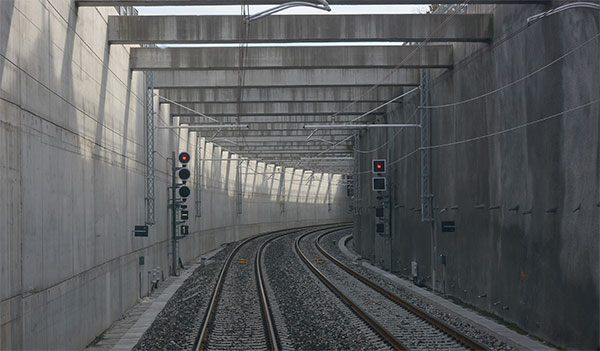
(400, 323)
(359, 311)
(238, 315)
(463, 339)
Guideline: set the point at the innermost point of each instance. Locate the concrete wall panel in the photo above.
(536, 266)
(72, 181)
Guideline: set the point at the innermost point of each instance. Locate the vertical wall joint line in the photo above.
(149, 136)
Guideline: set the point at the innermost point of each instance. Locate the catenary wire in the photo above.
(525, 77)
(507, 130)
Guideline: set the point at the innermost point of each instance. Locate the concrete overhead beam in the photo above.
(227, 58)
(274, 109)
(299, 28)
(269, 2)
(275, 126)
(247, 149)
(280, 139)
(286, 78)
(292, 94)
(286, 153)
(320, 117)
(259, 121)
(275, 133)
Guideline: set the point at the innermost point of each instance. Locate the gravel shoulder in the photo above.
(176, 326)
(314, 318)
(330, 244)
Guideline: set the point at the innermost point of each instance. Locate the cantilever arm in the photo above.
(324, 5)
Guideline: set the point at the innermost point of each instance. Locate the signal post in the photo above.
(383, 221)
(179, 193)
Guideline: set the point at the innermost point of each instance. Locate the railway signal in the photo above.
(378, 166)
(183, 174)
(184, 157)
(379, 184)
(179, 192)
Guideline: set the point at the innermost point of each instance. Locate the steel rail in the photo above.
(264, 300)
(201, 338)
(387, 336)
(441, 325)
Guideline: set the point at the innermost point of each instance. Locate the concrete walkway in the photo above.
(125, 333)
(509, 336)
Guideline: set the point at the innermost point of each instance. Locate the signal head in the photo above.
(184, 191)
(184, 157)
(379, 184)
(378, 166)
(183, 174)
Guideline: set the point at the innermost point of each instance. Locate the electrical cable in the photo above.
(399, 65)
(323, 6)
(507, 130)
(579, 4)
(187, 108)
(410, 118)
(383, 105)
(527, 76)
(513, 128)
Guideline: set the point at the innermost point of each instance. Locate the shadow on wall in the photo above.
(6, 12)
(258, 179)
(126, 114)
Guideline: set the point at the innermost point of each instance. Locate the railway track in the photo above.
(401, 324)
(238, 315)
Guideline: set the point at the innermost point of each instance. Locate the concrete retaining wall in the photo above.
(538, 266)
(72, 184)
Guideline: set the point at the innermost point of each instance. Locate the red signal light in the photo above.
(378, 166)
(184, 157)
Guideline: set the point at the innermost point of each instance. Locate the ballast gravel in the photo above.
(177, 325)
(314, 317)
(410, 330)
(330, 244)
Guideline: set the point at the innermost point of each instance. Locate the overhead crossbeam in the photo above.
(227, 58)
(270, 2)
(287, 153)
(283, 127)
(342, 94)
(282, 140)
(244, 149)
(286, 78)
(257, 143)
(274, 133)
(300, 28)
(274, 123)
(273, 109)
